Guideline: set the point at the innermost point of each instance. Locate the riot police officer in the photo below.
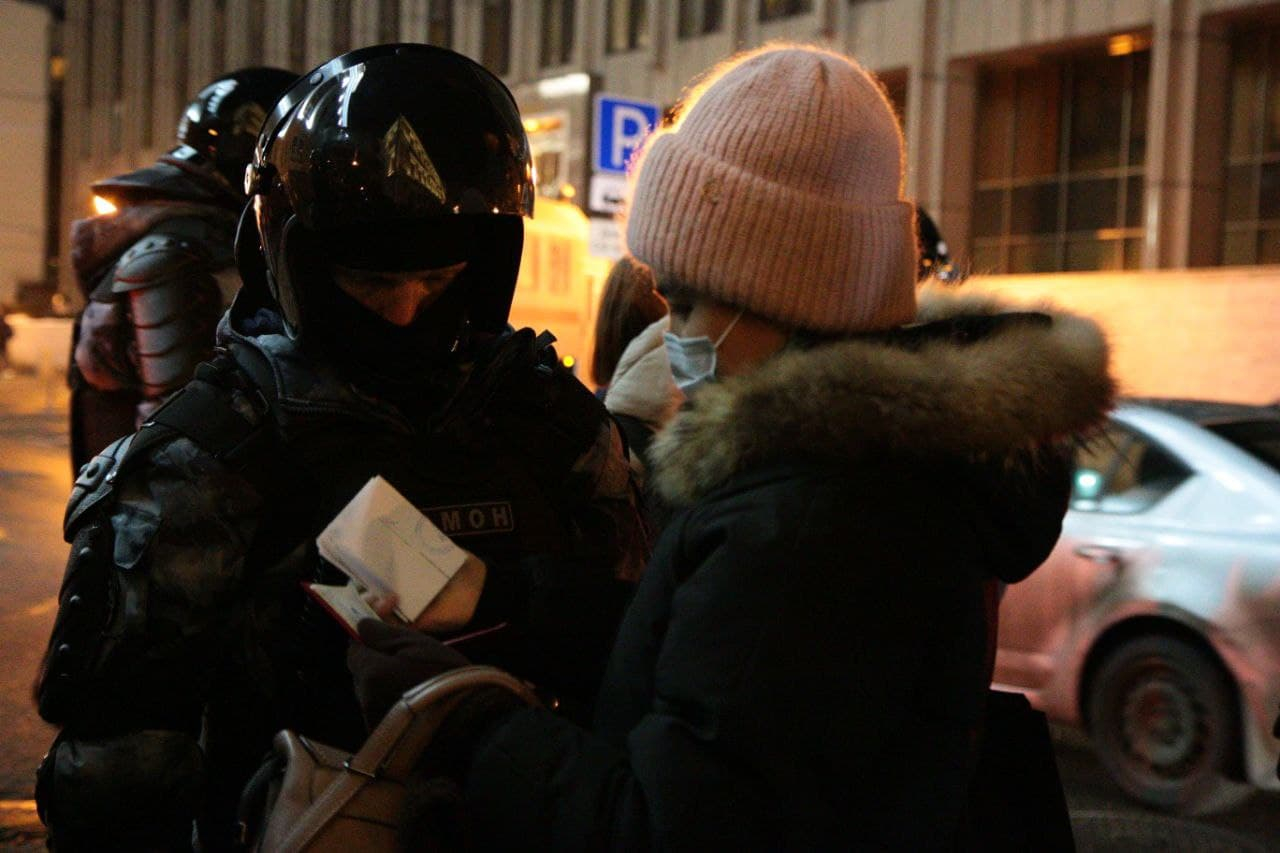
(379, 257)
(158, 272)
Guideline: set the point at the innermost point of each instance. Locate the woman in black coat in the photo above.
(806, 660)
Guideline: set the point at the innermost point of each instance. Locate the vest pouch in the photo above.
(84, 606)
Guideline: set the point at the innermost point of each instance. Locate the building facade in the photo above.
(25, 32)
(1109, 154)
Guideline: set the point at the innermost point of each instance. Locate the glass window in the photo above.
(995, 127)
(440, 23)
(496, 40)
(628, 22)
(1269, 246)
(557, 32)
(772, 10)
(895, 89)
(1060, 156)
(1097, 114)
(1260, 439)
(1091, 204)
(1124, 472)
(1034, 209)
(1036, 255)
(1251, 191)
(988, 213)
(1135, 203)
(547, 165)
(699, 17)
(1038, 114)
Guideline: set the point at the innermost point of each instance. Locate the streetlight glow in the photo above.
(102, 206)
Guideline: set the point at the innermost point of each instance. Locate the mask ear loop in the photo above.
(729, 328)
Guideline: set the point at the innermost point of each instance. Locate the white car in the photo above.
(1155, 622)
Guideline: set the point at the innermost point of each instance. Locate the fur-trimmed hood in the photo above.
(1014, 389)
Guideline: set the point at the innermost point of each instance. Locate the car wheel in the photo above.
(1162, 718)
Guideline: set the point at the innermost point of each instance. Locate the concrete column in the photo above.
(319, 32)
(954, 162)
(202, 63)
(413, 20)
(583, 20)
(239, 52)
(136, 75)
(74, 127)
(741, 16)
(106, 17)
(522, 49)
(1208, 172)
(167, 54)
(1173, 126)
(662, 32)
(364, 23)
(276, 35)
(924, 124)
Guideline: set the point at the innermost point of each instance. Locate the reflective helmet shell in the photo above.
(221, 125)
(388, 151)
(934, 257)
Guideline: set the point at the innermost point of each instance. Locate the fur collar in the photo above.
(1015, 389)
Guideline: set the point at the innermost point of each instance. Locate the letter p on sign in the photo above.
(621, 126)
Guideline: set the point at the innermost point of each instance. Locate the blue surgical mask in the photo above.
(693, 360)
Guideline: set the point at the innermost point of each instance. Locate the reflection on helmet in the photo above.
(221, 125)
(935, 257)
(393, 157)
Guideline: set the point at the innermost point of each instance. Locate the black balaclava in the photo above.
(408, 365)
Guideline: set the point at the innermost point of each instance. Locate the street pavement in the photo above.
(35, 480)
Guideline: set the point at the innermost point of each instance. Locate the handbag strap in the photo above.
(393, 749)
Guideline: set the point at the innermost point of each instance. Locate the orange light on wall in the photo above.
(1127, 43)
(102, 206)
(543, 124)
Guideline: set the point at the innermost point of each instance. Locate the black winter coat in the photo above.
(805, 663)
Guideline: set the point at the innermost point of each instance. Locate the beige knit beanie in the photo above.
(779, 190)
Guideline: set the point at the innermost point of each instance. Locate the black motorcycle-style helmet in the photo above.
(394, 157)
(935, 257)
(220, 127)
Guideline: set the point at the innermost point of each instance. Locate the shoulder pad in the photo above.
(155, 259)
(94, 482)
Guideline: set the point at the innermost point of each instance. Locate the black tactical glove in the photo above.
(392, 659)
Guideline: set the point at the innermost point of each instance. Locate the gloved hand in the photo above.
(392, 659)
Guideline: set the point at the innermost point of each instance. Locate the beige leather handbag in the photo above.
(329, 800)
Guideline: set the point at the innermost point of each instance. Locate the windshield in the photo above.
(1260, 439)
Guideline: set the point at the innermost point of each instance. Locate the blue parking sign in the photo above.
(621, 125)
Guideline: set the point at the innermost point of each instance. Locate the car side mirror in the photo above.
(1086, 488)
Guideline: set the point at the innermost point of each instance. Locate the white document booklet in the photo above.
(385, 545)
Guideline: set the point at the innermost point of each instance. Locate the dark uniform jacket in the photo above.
(806, 660)
(156, 276)
(182, 615)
